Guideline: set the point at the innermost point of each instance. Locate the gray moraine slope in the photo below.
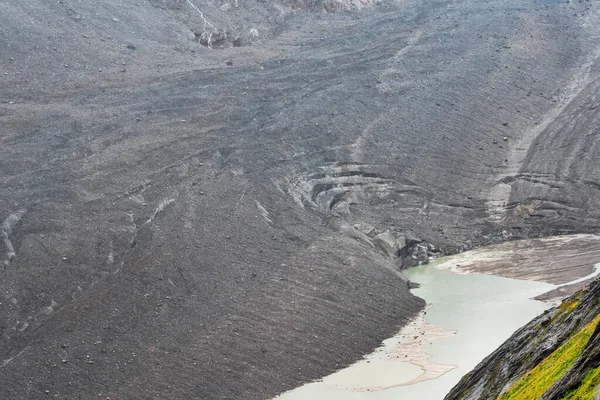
(212, 199)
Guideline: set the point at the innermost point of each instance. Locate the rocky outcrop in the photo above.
(573, 379)
(531, 346)
(404, 250)
(417, 252)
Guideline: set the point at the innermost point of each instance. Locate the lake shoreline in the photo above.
(559, 260)
(554, 266)
(410, 349)
(553, 262)
(419, 342)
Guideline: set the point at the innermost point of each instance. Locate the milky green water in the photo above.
(484, 309)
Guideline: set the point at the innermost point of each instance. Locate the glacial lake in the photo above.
(475, 313)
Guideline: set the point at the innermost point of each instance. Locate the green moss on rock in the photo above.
(533, 385)
(588, 387)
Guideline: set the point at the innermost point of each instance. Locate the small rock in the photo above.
(131, 46)
(505, 138)
(230, 63)
(412, 285)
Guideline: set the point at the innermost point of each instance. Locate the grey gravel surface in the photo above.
(182, 190)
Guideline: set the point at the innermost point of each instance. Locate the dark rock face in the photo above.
(181, 181)
(530, 345)
(589, 360)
